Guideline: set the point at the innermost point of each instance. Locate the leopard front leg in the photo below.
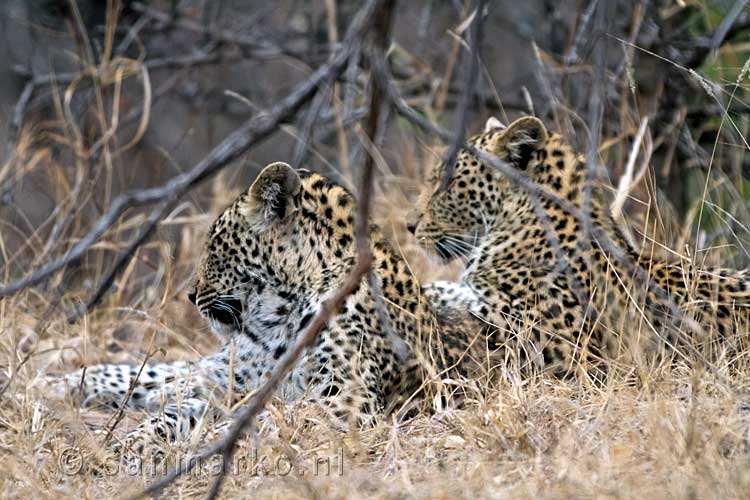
(444, 296)
(347, 386)
(174, 423)
(114, 385)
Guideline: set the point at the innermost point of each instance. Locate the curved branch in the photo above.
(225, 447)
(472, 66)
(235, 145)
(538, 191)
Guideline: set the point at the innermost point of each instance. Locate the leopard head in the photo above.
(453, 214)
(270, 255)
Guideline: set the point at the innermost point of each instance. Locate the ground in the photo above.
(529, 439)
(666, 432)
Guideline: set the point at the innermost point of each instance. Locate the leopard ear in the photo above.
(522, 138)
(492, 124)
(271, 197)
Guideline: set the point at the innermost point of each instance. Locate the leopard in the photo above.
(546, 263)
(271, 261)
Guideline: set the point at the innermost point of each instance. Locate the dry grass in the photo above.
(676, 433)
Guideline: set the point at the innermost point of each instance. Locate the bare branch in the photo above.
(19, 110)
(252, 46)
(235, 145)
(598, 234)
(472, 63)
(329, 309)
(260, 47)
(732, 24)
(122, 261)
(571, 56)
(597, 97)
(309, 121)
(381, 28)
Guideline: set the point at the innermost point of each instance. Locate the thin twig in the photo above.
(472, 63)
(246, 416)
(598, 233)
(115, 420)
(22, 104)
(571, 57)
(132, 34)
(258, 45)
(726, 24)
(308, 128)
(381, 28)
(585, 245)
(122, 260)
(235, 145)
(333, 38)
(734, 23)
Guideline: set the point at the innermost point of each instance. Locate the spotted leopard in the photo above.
(271, 259)
(563, 301)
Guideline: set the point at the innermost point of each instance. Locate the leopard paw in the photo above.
(147, 442)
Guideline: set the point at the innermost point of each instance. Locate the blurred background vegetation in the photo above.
(104, 97)
(98, 97)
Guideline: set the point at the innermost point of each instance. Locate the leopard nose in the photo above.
(412, 227)
(192, 295)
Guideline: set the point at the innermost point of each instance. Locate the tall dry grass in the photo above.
(677, 433)
(665, 431)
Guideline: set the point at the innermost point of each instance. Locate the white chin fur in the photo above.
(220, 330)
